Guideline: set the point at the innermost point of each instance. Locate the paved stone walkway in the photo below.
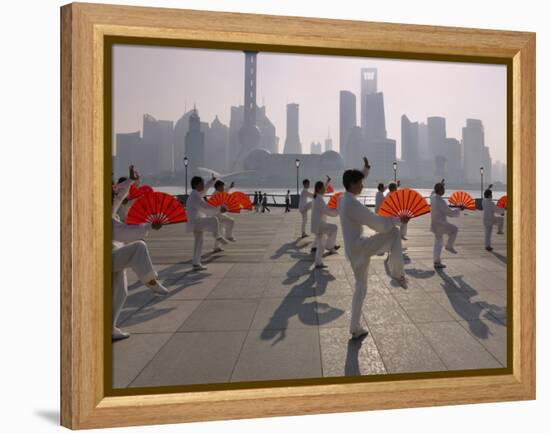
(260, 311)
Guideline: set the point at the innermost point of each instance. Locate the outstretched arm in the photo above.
(365, 217)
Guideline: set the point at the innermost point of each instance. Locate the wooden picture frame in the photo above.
(84, 28)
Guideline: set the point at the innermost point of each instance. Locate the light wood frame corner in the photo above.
(83, 31)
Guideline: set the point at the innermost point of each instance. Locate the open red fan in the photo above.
(138, 191)
(330, 188)
(462, 199)
(502, 202)
(243, 200)
(156, 207)
(333, 202)
(228, 200)
(404, 203)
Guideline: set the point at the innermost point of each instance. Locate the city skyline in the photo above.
(168, 88)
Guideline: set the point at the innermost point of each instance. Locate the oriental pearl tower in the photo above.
(249, 134)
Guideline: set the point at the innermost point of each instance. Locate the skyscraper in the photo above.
(194, 142)
(216, 146)
(180, 132)
(437, 134)
(348, 120)
(315, 148)
(328, 143)
(369, 86)
(166, 146)
(292, 143)
(128, 152)
(473, 141)
(410, 152)
(249, 134)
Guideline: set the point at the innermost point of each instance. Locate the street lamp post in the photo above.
(395, 171)
(298, 163)
(186, 163)
(481, 173)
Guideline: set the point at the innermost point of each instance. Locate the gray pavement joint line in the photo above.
(480, 343)
(238, 357)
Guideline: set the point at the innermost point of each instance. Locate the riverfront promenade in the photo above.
(260, 311)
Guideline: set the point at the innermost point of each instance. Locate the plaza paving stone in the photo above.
(262, 312)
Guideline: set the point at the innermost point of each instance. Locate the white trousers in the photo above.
(226, 224)
(134, 255)
(207, 224)
(304, 212)
(444, 229)
(403, 228)
(325, 238)
(499, 221)
(381, 242)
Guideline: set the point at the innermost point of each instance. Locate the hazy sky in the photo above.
(165, 81)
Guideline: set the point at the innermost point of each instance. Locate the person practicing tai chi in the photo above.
(202, 217)
(379, 197)
(304, 205)
(439, 224)
(490, 219)
(287, 201)
(129, 251)
(325, 233)
(359, 248)
(226, 222)
(393, 187)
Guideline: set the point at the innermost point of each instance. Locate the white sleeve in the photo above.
(448, 211)
(207, 208)
(129, 233)
(328, 211)
(365, 217)
(309, 194)
(123, 189)
(207, 185)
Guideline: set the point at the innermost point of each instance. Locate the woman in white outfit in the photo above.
(129, 251)
(202, 217)
(490, 219)
(392, 187)
(379, 197)
(227, 223)
(325, 233)
(304, 205)
(440, 226)
(359, 248)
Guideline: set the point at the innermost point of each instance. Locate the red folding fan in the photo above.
(462, 199)
(330, 188)
(404, 202)
(138, 191)
(243, 200)
(228, 200)
(156, 207)
(333, 202)
(502, 202)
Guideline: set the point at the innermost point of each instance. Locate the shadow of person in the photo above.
(351, 367)
(492, 312)
(500, 257)
(459, 297)
(145, 314)
(50, 415)
(286, 249)
(419, 273)
(296, 304)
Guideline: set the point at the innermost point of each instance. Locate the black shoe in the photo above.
(489, 248)
(313, 250)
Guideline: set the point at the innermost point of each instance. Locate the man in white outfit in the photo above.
(304, 205)
(360, 249)
(226, 222)
(325, 233)
(202, 217)
(490, 219)
(439, 224)
(129, 251)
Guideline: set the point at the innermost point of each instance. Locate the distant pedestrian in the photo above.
(287, 201)
(264, 204)
(256, 202)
